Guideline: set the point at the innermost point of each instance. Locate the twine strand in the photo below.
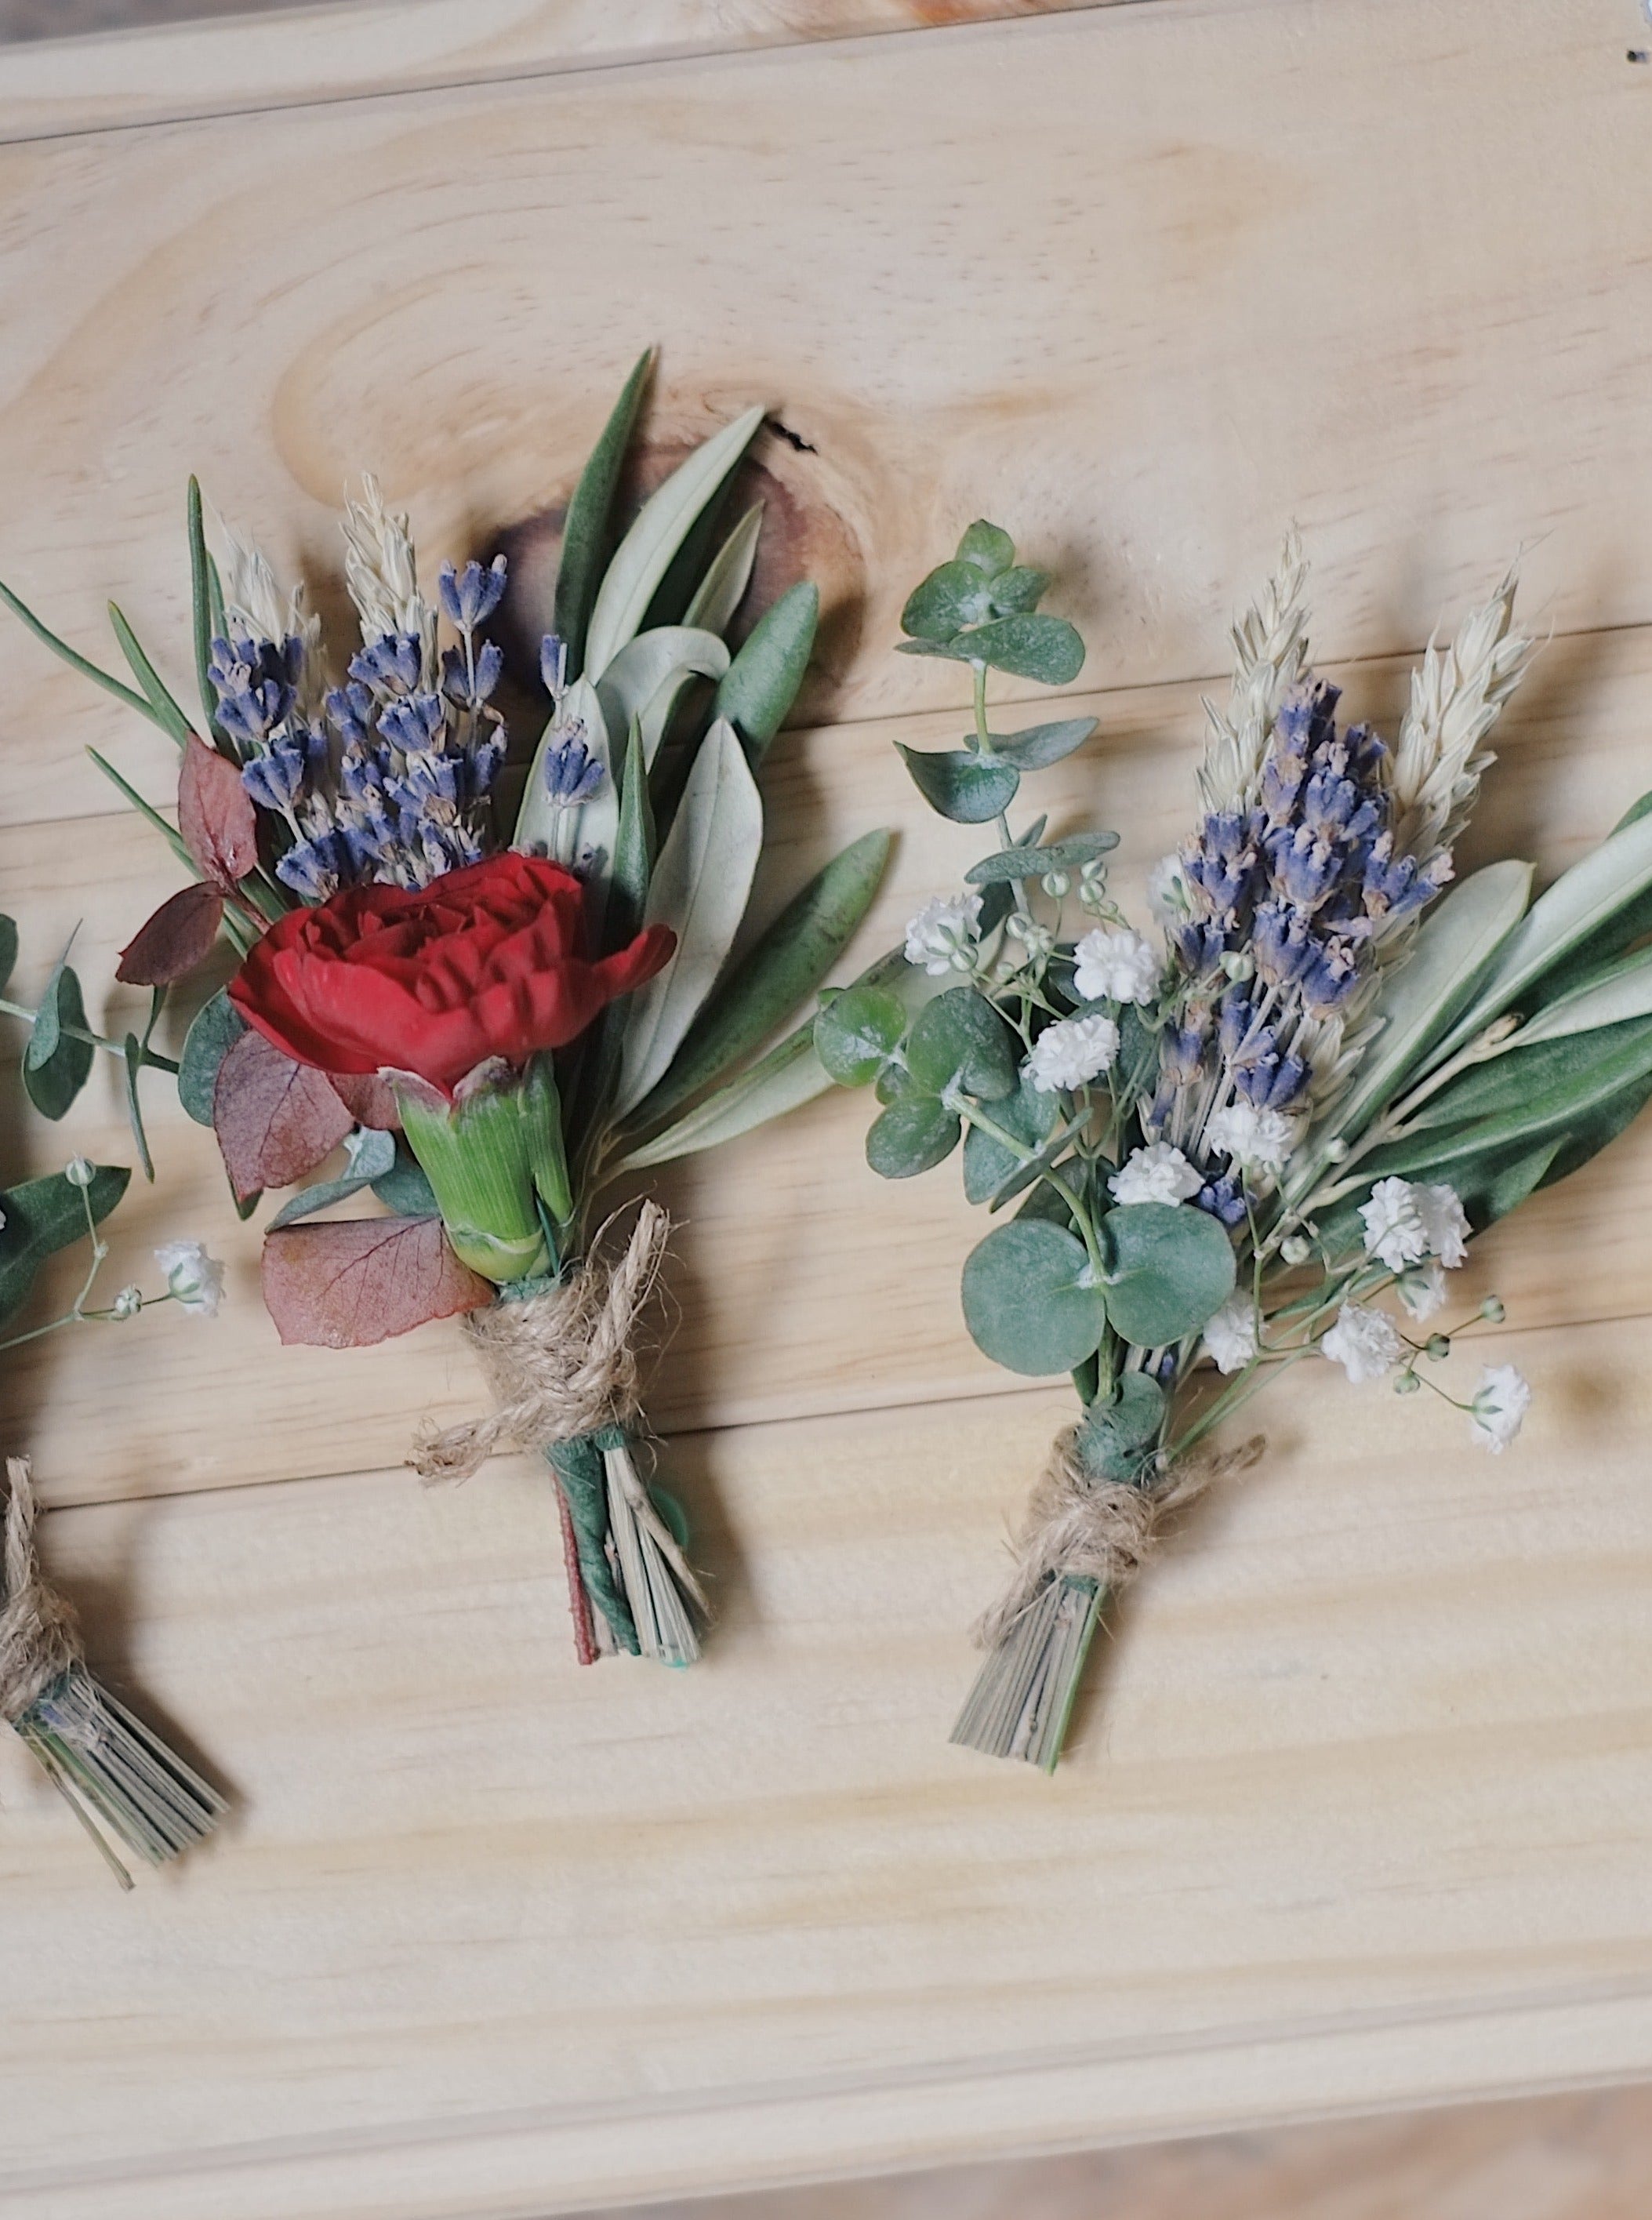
(1078, 1527)
(40, 1642)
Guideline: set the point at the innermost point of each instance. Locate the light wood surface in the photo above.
(1357, 1808)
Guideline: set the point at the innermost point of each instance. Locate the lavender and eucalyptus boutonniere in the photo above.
(1222, 1146)
(498, 1009)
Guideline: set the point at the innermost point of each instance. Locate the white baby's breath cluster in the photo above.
(195, 1281)
(945, 935)
(1157, 1173)
(1072, 1053)
(1116, 967)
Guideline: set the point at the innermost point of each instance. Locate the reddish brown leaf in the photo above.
(368, 1099)
(214, 815)
(275, 1119)
(175, 939)
(355, 1280)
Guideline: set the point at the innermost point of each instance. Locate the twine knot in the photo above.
(40, 1642)
(559, 1365)
(1079, 1527)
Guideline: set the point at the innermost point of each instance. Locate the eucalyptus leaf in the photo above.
(1169, 1268)
(643, 556)
(8, 951)
(857, 1031)
(763, 679)
(786, 964)
(585, 529)
(969, 789)
(373, 1158)
(646, 675)
(1030, 1300)
(56, 1065)
(915, 1133)
(960, 1045)
(1116, 1436)
(1039, 746)
(44, 1215)
(949, 650)
(722, 589)
(404, 1189)
(1581, 902)
(789, 1075)
(218, 1024)
(1017, 592)
(988, 548)
(1047, 649)
(1029, 1116)
(955, 595)
(1018, 863)
(700, 887)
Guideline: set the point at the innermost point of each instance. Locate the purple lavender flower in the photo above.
(275, 781)
(553, 665)
(472, 683)
(469, 596)
(572, 773)
(389, 665)
(414, 724)
(1222, 1199)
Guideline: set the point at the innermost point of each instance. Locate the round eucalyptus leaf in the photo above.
(1028, 1114)
(1117, 1436)
(912, 1135)
(950, 598)
(857, 1031)
(966, 789)
(961, 1041)
(892, 1082)
(1168, 1267)
(1037, 746)
(1032, 863)
(217, 1026)
(1025, 1301)
(56, 1063)
(988, 548)
(1017, 592)
(1044, 648)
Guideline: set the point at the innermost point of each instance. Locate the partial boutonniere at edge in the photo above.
(1226, 1143)
(499, 1015)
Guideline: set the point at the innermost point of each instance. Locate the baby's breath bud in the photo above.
(1057, 884)
(1407, 1384)
(1296, 1249)
(126, 1304)
(1336, 1151)
(1491, 1309)
(1438, 1346)
(1239, 966)
(78, 1172)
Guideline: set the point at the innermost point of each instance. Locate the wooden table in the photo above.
(1358, 1812)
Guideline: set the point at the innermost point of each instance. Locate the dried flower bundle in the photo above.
(497, 1013)
(1228, 1142)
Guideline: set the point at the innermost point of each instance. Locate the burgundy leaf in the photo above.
(214, 815)
(176, 939)
(355, 1280)
(275, 1119)
(368, 1098)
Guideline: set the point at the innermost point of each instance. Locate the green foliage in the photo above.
(44, 1215)
(1118, 1434)
(373, 1158)
(762, 682)
(857, 1031)
(1167, 1268)
(960, 1044)
(585, 529)
(217, 1026)
(404, 1188)
(970, 790)
(979, 608)
(58, 1057)
(1030, 1298)
(1037, 746)
(1020, 862)
(914, 1134)
(8, 951)
(1029, 1115)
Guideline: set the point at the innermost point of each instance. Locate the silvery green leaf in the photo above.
(700, 885)
(1040, 745)
(76, 661)
(988, 548)
(643, 556)
(1025, 863)
(721, 592)
(1457, 940)
(217, 1025)
(970, 790)
(1616, 992)
(786, 1077)
(56, 1063)
(646, 676)
(584, 531)
(598, 818)
(7, 950)
(1047, 649)
(372, 1156)
(764, 678)
(955, 595)
(1579, 903)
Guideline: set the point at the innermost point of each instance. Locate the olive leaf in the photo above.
(8, 951)
(1618, 991)
(700, 887)
(598, 821)
(762, 681)
(643, 556)
(585, 529)
(722, 589)
(789, 1075)
(648, 674)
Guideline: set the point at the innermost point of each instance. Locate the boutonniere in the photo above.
(1260, 1127)
(502, 988)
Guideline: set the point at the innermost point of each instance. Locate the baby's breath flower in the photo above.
(1167, 890)
(1446, 1223)
(194, 1280)
(1394, 1229)
(1422, 1288)
(1072, 1053)
(1231, 1334)
(945, 935)
(1257, 1140)
(126, 1304)
(1501, 1401)
(1364, 1342)
(1156, 1174)
(1116, 967)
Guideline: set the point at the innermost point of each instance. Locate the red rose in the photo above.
(485, 962)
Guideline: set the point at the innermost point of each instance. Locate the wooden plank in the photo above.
(1355, 1814)
(776, 1230)
(1196, 313)
(168, 72)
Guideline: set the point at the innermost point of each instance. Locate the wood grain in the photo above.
(1196, 312)
(1355, 1801)
(775, 1231)
(345, 51)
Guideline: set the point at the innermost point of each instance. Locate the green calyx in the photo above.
(498, 1167)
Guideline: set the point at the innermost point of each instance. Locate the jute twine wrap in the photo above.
(38, 1639)
(1078, 1527)
(559, 1365)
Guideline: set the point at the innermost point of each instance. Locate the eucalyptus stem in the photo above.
(152, 1058)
